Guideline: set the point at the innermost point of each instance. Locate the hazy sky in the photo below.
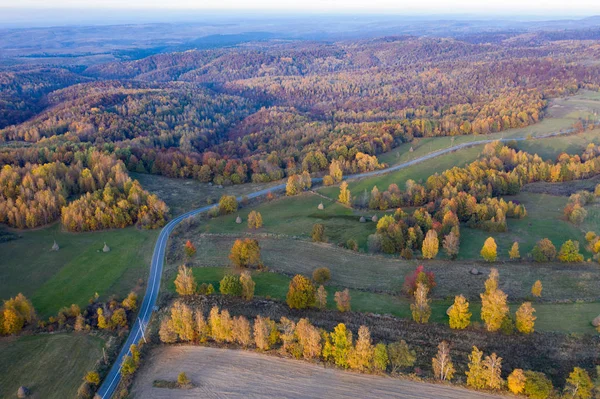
(584, 7)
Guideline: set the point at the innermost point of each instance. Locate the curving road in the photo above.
(111, 381)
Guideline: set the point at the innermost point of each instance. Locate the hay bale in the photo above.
(238, 220)
(106, 248)
(55, 246)
(362, 219)
(474, 271)
(374, 218)
(320, 207)
(23, 392)
(596, 322)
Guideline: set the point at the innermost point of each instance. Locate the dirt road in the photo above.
(227, 373)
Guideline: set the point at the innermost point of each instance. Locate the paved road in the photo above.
(114, 376)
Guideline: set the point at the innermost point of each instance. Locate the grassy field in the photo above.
(51, 366)
(78, 270)
(382, 274)
(182, 195)
(576, 318)
(295, 216)
(544, 220)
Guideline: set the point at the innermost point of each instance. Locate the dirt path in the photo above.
(227, 373)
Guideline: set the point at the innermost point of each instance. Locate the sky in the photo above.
(532, 7)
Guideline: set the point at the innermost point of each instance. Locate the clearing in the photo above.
(78, 269)
(219, 373)
(51, 365)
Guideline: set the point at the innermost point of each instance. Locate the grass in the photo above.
(78, 270)
(51, 366)
(295, 216)
(550, 148)
(544, 220)
(575, 318)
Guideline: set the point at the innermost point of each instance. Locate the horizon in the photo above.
(47, 17)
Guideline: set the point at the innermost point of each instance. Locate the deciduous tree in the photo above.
(516, 381)
(342, 300)
(443, 368)
(185, 282)
(459, 314)
(536, 289)
(301, 293)
(514, 251)
(421, 311)
(255, 220)
(247, 285)
(489, 250)
(245, 253)
(344, 197)
(431, 244)
(525, 318)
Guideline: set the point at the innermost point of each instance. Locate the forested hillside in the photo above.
(263, 111)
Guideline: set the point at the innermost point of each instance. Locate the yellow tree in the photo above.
(489, 250)
(344, 197)
(247, 285)
(514, 251)
(459, 314)
(245, 252)
(443, 369)
(536, 289)
(516, 381)
(493, 303)
(421, 311)
(476, 376)
(492, 366)
(335, 171)
(525, 318)
(361, 356)
(431, 245)
(255, 220)
(185, 283)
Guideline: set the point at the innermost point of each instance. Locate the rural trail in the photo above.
(109, 384)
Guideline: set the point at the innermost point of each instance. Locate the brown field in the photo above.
(378, 273)
(219, 373)
(563, 189)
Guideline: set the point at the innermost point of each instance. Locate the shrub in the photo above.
(544, 251)
(536, 289)
(227, 204)
(406, 253)
(352, 245)
(301, 293)
(569, 252)
(321, 275)
(400, 355)
(537, 385)
(318, 233)
(92, 378)
(182, 379)
(328, 180)
(190, 249)
(230, 285)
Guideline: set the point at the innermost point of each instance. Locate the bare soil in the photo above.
(219, 373)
